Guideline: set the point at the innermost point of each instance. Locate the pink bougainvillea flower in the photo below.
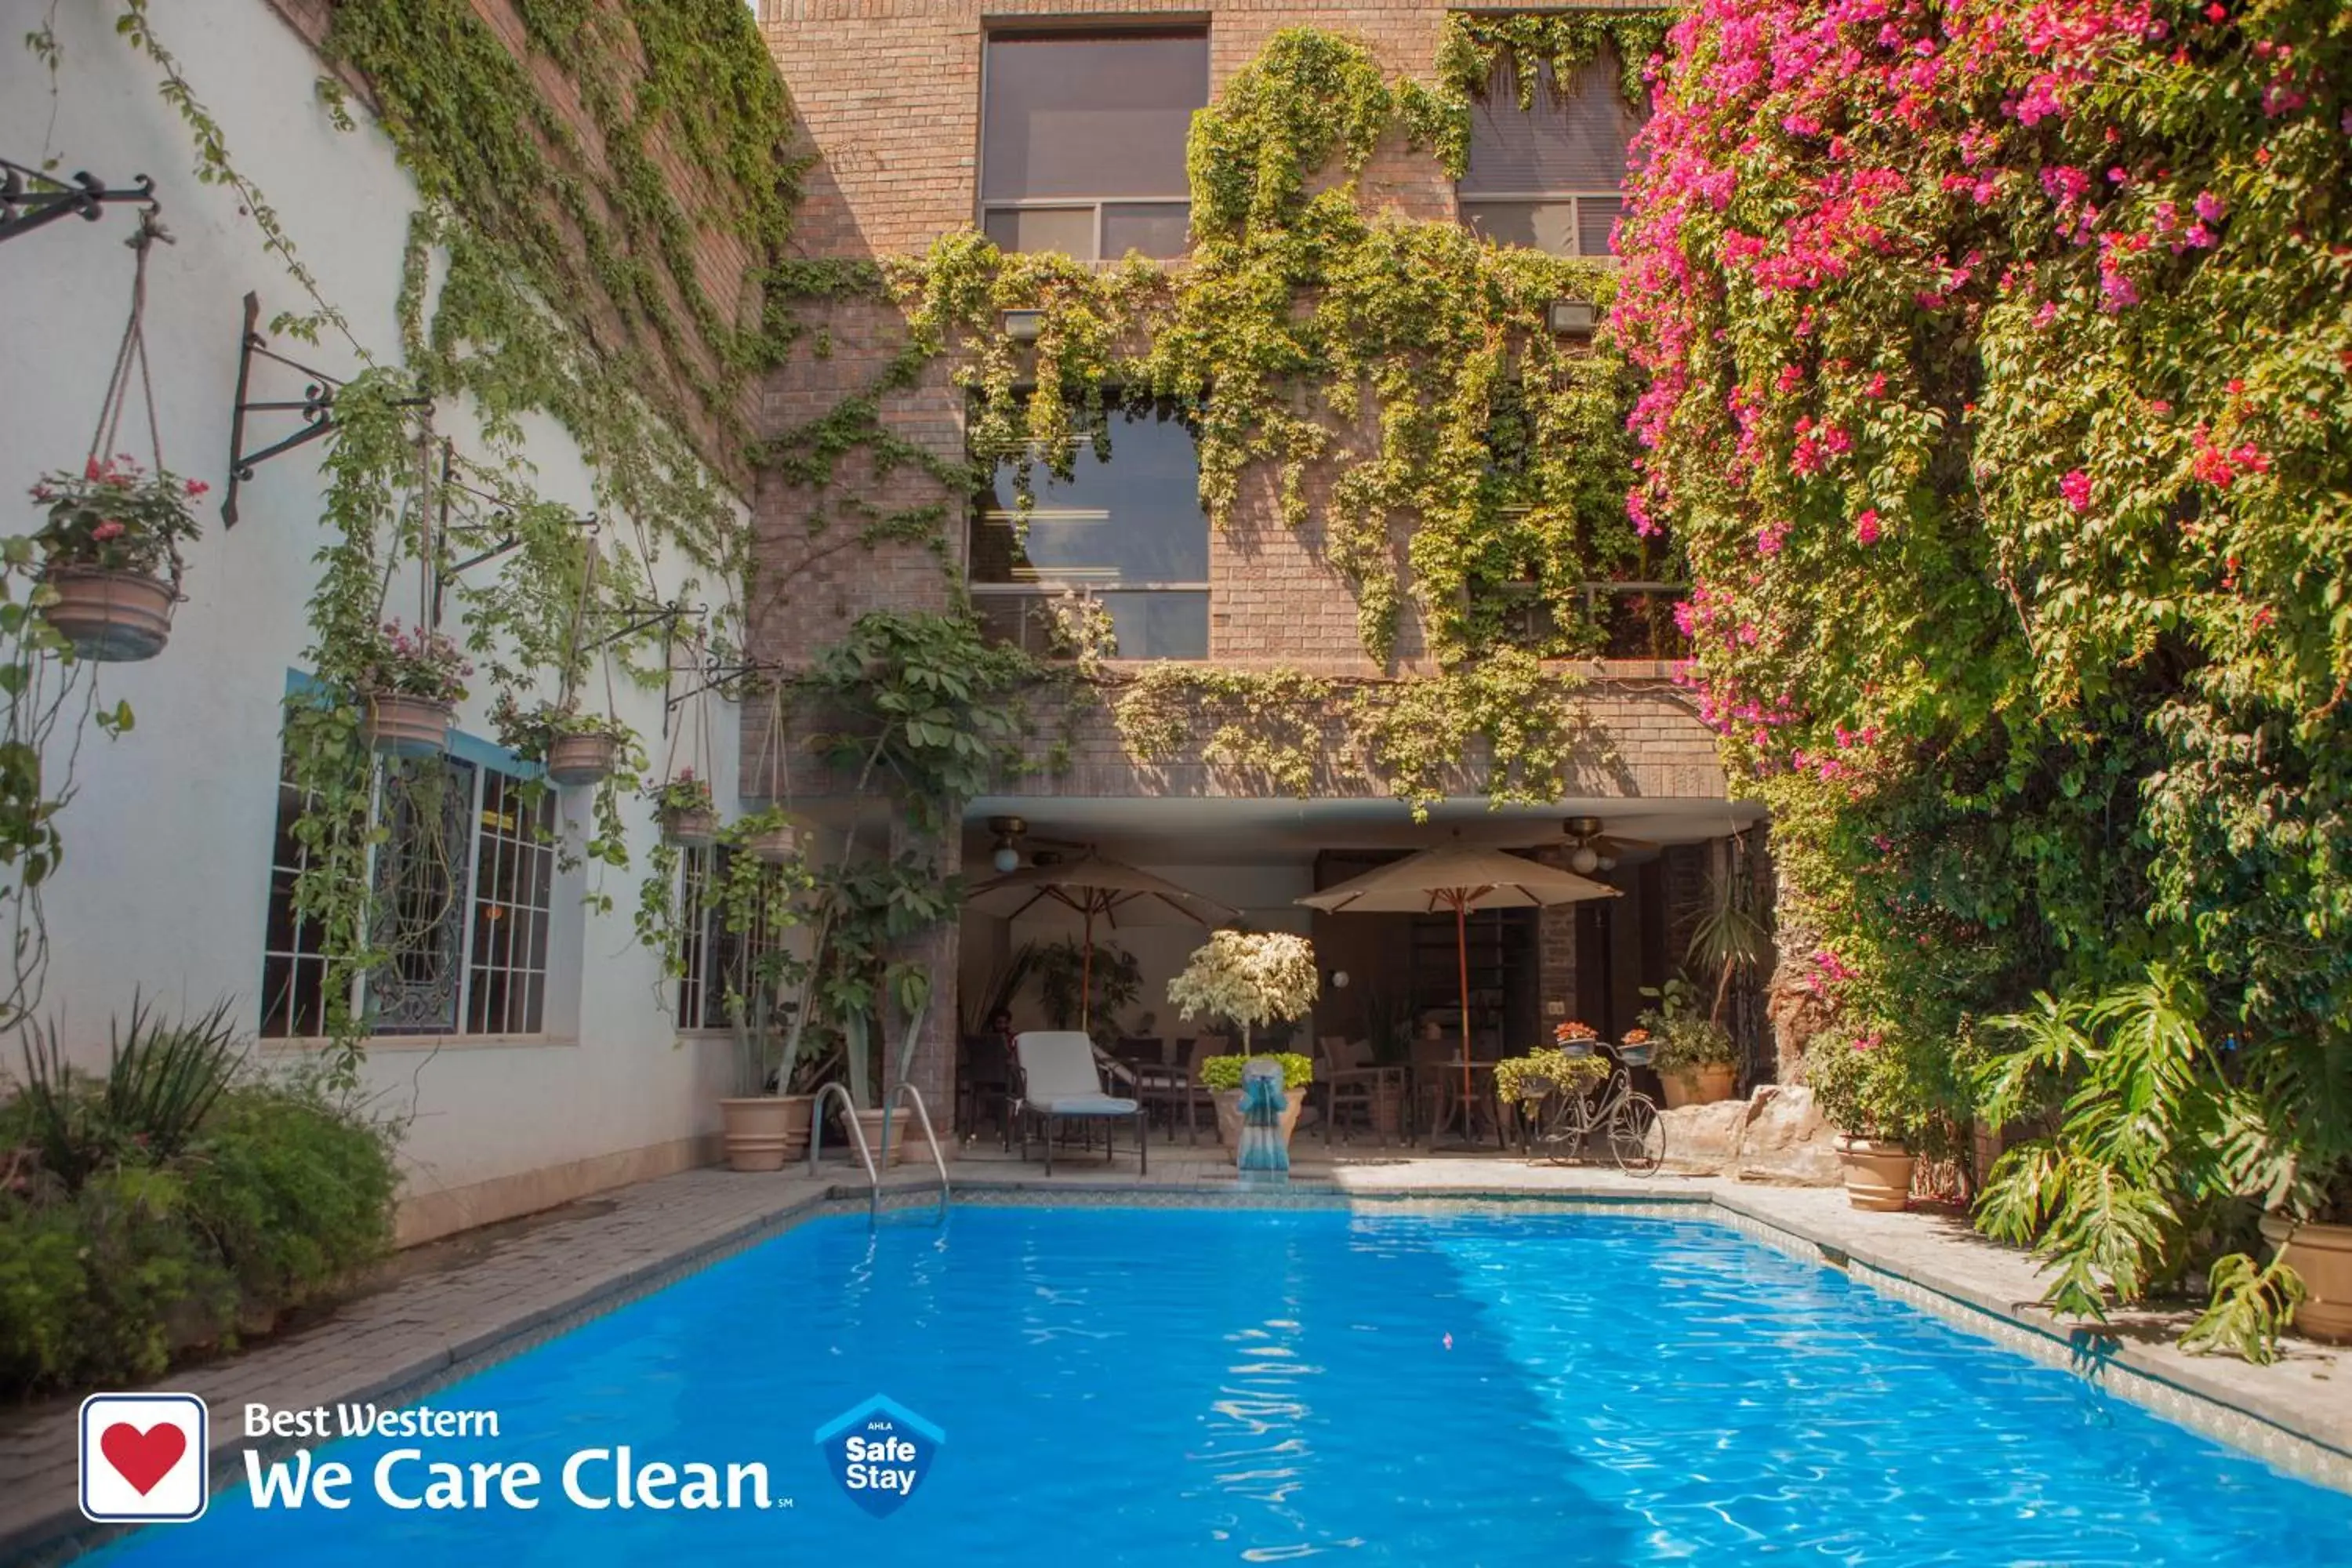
(1866, 531)
(2076, 488)
(110, 529)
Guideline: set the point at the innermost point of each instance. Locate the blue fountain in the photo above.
(1264, 1154)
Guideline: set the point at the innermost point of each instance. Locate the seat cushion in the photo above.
(1083, 1105)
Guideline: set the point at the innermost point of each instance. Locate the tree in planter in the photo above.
(1113, 983)
(1249, 979)
(1890, 1093)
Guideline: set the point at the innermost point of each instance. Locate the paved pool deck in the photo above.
(446, 1310)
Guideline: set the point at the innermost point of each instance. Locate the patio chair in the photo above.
(1350, 1080)
(1059, 1078)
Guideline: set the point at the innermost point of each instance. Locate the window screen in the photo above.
(1082, 141)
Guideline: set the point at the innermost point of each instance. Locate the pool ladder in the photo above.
(857, 1136)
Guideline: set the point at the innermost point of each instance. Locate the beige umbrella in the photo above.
(1092, 888)
(1457, 878)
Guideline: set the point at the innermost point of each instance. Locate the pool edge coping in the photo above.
(2120, 1367)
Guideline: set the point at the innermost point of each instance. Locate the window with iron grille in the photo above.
(463, 885)
(1082, 141)
(1550, 175)
(715, 964)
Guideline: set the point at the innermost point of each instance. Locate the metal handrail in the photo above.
(865, 1155)
(857, 1135)
(923, 1115)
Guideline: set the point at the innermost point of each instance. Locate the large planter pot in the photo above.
(1877, 1173)
(696, 829)
(400, 725)
(871, 1124)
(1228, 1117)
(1700, 1086)
(581, 759)
(2322, 1256)
(766, 1133)
(117, 616)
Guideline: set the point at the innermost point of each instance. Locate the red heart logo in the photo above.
(142, 1458)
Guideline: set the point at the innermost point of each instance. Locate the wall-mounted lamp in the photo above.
(1008, 830)
(1338, 980)
(1572, 318)
(1022, 326)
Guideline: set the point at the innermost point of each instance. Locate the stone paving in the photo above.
(447, 1315)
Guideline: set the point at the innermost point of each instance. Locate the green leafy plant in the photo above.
(1222, 1074)
(1114, 980)
(1684, 1039)
(410, 661)
(1530, 1078)
(160, 1081)
(1867, 1084)
(530, 731)
(117, 517)
(681, 793)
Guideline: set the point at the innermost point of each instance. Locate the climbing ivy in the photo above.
(1406, 371)
(1560, 42)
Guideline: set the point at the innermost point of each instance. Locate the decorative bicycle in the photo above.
(1624, 1121)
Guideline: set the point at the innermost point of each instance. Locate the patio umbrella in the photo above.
(1092, 886)
(1461, 878)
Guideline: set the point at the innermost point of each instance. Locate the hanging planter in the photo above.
(110, 549)
(777, 846)
(575, 748)
(685, 813)
(409, 681)
(115, 617)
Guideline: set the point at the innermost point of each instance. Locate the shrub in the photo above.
(172, 1205)
(1880, 1084)
(1222, 1073)
(1529, 1079)
(1685, 1039)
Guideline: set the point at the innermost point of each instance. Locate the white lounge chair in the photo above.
(1059, 1078)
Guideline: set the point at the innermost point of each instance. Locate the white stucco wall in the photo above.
(165, 880)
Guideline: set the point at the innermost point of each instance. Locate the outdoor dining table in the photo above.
(1455, 1107)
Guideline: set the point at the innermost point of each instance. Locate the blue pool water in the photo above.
(1193, 1386)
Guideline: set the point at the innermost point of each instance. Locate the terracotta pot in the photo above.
(2322, 1255)
(1228, 1117)
(696, 829)
(581, 759)
(117, 616)
(870, 1123)
(1700, 1086)
(1877, 1173)
(400, 725)
(776, 847)
(766, 1133)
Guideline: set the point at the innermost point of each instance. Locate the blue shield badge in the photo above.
(880, 1453)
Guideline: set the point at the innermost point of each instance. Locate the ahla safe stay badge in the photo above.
(880, 1453)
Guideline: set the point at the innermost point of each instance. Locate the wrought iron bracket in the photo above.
(504, 520)
(714, 675)
(30, 199)
(316, 405)
(642, 618)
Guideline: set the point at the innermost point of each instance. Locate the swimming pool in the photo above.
(1173, 1385)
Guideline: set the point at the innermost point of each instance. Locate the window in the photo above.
(1550, 176)
(1125, 528)
(1082, 141)
(463, 888)
(713, 961)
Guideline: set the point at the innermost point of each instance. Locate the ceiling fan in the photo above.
(1591, 850)
(1010, 832)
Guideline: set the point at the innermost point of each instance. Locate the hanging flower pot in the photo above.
(400, 725)
(774, 845)
(685, 810)
(409, 681)
(116, 616)
(581, 759)
(110, 555)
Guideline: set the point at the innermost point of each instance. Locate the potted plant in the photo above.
(1525, 1083)
(1222, 1076)
(1251, 979)
(766, 1123)
(575, 748)
(767, 836)
(409, 682)
(110, 555)
(2314, 1239)
(1694, 1055)
(1868, 1090)
(684, 809)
